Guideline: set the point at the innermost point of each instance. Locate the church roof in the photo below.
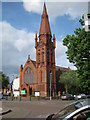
(34, 62)
(44, 27)
(63, 69)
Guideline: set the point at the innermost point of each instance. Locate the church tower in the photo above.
(45, 57)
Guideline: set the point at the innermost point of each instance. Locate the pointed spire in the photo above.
(36, 40)
(54, 40)
(44, 27)
(44, 10)
(21, 67)
(54, 37)
(36, 36)
(28, 57)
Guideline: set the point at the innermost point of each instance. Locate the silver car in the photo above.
(0, 96)
(79, 110)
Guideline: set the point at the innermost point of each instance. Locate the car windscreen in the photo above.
(67, 110)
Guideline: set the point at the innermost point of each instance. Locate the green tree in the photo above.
(78, 53)
(4, 80)
(70, 81)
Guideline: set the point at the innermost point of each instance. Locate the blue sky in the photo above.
(15, 14)
(20, 22)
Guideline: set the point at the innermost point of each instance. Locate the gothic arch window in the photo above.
(43, 57)
(31, 79)
(41, 76)
(29, 72)
(39, 58)
(28, 76)
(25, 76)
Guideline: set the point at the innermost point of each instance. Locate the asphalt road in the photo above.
(33, 109)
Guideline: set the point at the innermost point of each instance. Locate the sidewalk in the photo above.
(4, 111)
(28, 99)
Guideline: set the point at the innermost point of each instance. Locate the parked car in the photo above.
(88, 96)
(79, 110)
(81, 96)
(67, 97)
(0, 96)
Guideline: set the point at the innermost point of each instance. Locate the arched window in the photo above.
(29, 73)
(48, 57)
(41, 76)
(25, 76)
(31, 78)
(39, 58)
(43, 57)
(28, 76)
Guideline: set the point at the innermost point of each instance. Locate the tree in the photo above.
(78, 53)
(4, 80)
(69, 79)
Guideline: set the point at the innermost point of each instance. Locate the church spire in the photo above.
(44, 27)
(44, 10)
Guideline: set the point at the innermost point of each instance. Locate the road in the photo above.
(33, 109)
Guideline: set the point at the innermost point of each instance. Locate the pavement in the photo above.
(4, 111)
(32, 109)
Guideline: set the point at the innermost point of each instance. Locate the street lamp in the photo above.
(50, 86)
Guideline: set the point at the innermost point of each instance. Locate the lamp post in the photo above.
(50, 85)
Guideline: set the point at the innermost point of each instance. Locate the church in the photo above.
(36, 75)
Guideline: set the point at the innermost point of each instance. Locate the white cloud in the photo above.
(18, 38)
(17, 44)
(73, 9)
(61, 58)
(33, 6)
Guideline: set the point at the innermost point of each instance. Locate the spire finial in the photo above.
(53, 36)
(36, 36)
(44, 9)
(28, 56)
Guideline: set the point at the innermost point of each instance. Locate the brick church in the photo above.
(37, 74)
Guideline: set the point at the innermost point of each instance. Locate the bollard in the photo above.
(12, 98)
(56, 97)
(30, 98)
(45, 98)
(20, 98)
(6, 98)
(38, 98)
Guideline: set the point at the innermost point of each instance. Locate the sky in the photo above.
(21, 20)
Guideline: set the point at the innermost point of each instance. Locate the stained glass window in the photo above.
(28, 76)
(25, 76)
(31, 78)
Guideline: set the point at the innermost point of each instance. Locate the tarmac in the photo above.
(31, 109)
(4, 111)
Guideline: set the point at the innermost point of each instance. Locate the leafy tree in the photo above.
(69, 79)
(4, 80)
(78, 53)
